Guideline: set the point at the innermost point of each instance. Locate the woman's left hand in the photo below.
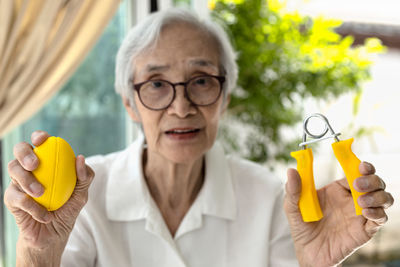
(340, 232)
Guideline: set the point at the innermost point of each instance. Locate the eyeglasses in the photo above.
(200, 91)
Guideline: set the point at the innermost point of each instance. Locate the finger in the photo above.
(369, 183)
(38, 137)
(84, 172)
(23, 152)
(376, 215)
(85, 176)
(24, 179)
(366, 168)
(377, 199)
(293, 190)
(17, 200)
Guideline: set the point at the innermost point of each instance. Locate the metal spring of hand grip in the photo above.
(308, 202)
(318, 137)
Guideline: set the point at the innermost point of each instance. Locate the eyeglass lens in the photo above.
(159, 94)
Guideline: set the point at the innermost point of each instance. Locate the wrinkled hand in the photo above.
(340, 232)
(39, 228)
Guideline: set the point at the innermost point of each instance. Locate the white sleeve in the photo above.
(282, 252)
(81, 249)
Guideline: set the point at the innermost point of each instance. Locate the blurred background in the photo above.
(295, 58)
(375, 119)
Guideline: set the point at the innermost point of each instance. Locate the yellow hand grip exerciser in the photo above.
(308, 202)
(56, 172)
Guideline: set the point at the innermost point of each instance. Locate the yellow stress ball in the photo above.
(56, 172)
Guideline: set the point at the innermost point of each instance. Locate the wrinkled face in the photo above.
(183, 132)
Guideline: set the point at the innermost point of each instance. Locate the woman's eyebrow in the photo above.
(202, 63)
(156, 68)
(195, 62)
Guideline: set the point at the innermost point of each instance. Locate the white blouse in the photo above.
(237, 218)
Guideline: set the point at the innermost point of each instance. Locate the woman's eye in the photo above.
(157, 84)
(201, 81)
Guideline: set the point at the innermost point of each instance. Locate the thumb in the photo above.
(71, 209)
(84, 174)
(293, 190)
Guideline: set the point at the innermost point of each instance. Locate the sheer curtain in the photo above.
(41, 43)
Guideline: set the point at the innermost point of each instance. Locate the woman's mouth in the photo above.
(182, 133)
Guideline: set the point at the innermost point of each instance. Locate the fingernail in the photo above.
(36, 189)
(35, 134)
(29, 159)
(362, 183)
(368, 166)
(367, 201)
(84, 176)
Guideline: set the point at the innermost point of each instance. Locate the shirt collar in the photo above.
(128, 197)
(217, 195)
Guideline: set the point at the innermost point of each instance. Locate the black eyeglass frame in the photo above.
(221, 80)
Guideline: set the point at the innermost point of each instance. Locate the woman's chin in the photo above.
(180, 157)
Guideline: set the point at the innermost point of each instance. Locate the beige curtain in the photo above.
(41, 43)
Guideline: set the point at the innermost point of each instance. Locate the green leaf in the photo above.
(283, 59)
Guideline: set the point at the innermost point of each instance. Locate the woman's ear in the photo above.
(225, 104)
(131, 110)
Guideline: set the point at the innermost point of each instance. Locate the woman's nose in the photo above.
(181, 105)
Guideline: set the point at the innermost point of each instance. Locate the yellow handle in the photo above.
(350, 164)
(308, 203)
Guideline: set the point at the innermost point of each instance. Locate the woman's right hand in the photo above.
(42, 230)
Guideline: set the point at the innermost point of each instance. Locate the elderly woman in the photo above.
(172, 198)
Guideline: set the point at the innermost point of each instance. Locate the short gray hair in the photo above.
(145, 34)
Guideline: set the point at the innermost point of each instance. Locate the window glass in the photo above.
(87, 112)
